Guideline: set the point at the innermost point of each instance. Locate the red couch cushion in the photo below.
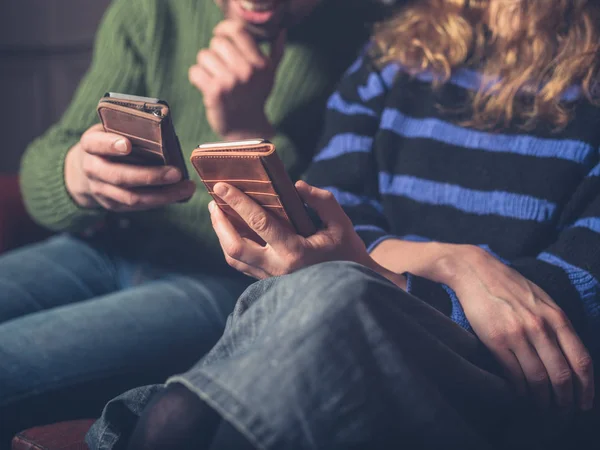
(11, 209)
(16, 227)
(59, 436)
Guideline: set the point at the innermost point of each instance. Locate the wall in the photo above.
(45, 48)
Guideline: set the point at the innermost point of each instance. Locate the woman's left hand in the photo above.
(285, 251)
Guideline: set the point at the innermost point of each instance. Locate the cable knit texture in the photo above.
(146, 47)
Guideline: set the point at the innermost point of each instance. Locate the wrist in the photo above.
(396, 278)
(448, 261)
(75, 183)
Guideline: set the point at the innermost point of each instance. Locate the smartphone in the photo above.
(254, 167)
(147, 123)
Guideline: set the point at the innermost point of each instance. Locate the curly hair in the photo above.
(537, 47)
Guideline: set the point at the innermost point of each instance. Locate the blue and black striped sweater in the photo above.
(401, 166)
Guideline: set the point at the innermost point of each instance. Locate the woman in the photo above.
(463, 148)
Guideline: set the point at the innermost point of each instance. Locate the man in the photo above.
(135, 288)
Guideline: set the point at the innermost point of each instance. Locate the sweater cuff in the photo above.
(47, 199)
(428, 290)
(372, 236)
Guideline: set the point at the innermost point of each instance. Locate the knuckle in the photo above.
(559, 319)
(116, 178)
(258, 222)
(131, 200)
(502, 336)
(227, 84)
(216, 91)
(150, 178)
(539, 377)
(328, 196)
(88, 166)
(95, 189)
(192, 76)
(245, 74)
(499, 338)
(234, 250)
(232, 262)
(562, 378)
(584, 363)
(293, 260)
(535, 324)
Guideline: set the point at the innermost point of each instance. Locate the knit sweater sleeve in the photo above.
(118, 66)
(345, 165)
(568, 270)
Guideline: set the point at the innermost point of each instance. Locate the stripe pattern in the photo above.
(396, 157)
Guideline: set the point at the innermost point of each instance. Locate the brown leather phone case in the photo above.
(147, 123)
(254, 167)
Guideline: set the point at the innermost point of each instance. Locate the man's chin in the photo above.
(267, 29)
(263, 32)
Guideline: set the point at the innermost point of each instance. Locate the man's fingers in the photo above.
(97, 142)
(235, 32)
(128, 175)
(199, 77)
(238, 249)
(259, 220)
(213, 64)
(121, 199)
(581, 364)
(232, 57)
(324, 203)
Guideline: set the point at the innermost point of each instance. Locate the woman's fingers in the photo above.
(534, 370)
(558, 369)
(512, 369)
(580, 363)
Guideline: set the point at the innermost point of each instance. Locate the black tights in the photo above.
(176, 419)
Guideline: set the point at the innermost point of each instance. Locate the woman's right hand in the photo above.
(522, 326)
(94, 179)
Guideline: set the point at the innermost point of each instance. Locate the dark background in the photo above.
(45, 48)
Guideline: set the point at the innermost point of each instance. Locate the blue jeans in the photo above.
(79, 323)
(336, 357)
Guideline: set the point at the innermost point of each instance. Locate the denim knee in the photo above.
(327, 291)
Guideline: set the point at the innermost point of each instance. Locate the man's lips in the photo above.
(256, 12)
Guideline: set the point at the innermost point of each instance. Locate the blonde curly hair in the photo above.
(540, 47)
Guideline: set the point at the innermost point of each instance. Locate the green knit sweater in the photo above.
(146, 47)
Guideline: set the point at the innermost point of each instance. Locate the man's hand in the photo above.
(285, 251)
(94, 180)
(236, 79)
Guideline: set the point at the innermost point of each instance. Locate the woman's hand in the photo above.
(527, 332)
(285, 251)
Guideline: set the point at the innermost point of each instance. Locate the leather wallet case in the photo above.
(253, 167)
(147, 123)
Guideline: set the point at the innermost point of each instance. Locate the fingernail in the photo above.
(120, 146)
(221, 189)
(211, 206)
(172, 176)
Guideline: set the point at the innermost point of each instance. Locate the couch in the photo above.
(16, 229)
